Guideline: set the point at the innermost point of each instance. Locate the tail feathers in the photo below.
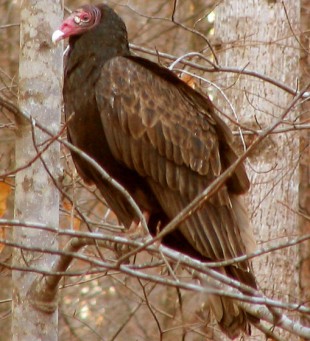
(231, 318)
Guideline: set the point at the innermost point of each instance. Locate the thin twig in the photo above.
(219, 68)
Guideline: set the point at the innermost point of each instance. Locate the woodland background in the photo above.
(252, 58)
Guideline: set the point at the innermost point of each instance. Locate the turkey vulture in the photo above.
(161, 140)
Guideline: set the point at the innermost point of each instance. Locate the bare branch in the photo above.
(218, 68)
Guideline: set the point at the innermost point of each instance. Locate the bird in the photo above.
(162, 141)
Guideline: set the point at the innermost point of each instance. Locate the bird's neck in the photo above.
(100, 44)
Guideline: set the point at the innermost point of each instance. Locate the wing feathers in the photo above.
(153, 129)
(170, 122)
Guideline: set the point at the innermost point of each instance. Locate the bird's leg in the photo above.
(136, 230)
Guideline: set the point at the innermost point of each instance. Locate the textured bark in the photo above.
(36, 198)
(9, 35)
(304, 195)
(256, 35)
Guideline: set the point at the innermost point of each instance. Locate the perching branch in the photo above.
(222, 285)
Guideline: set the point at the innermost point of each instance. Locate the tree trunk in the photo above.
(304, 195)
(36, 198)
(259, 36)
(9, 41)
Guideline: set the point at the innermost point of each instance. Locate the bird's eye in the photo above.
(82, 18)
(85, 18)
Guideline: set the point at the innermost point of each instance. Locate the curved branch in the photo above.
(218, 68)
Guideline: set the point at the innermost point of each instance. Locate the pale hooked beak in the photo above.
(57, 35)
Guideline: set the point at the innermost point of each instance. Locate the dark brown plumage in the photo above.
(160, 139)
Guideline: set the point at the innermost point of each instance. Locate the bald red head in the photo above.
(79, 21)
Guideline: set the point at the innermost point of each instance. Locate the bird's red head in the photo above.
(79, 21)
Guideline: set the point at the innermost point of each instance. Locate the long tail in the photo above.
(231, 318)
